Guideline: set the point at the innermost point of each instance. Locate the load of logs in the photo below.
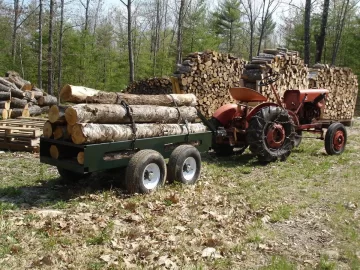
(19, 97)
(343, 88)
(99, 117)
(292, 70)
(209, 75)
(151, 86)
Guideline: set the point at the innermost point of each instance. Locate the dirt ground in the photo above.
(299, 214)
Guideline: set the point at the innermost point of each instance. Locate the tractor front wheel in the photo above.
(335, 139)
(271, 134)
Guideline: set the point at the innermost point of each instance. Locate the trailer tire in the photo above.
(70, 177)
(335, 139)
(145, 172)
(184, 165)
(271, 134)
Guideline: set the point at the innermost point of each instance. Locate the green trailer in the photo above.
(144, 159)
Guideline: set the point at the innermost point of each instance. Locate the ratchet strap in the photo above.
(129, 113)
(180, 116)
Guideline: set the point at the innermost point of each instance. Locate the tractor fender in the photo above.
(259, 107)
(226, 113)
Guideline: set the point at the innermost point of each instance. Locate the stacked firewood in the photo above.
(108, 116)
(343, 88)
(151, 86)
(209, 75)
(19, 97)
(292, 70)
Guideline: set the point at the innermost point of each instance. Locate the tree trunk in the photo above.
(15, 26)
(80, 94)
(180, 32)
(340, 27)
(307, 32)
(111, 114)
(50, 47)
(130, 39)
(320, 41)
(40, 45)
(61, 34)
(97, 133)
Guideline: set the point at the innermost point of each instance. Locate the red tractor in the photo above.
(272, 130)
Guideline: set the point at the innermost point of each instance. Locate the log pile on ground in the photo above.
(293, 72)
(151, 86)
(19, 97)
(209, 75)
(99, 117)
(343, 88)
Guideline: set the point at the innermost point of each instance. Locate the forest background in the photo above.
(105, 45)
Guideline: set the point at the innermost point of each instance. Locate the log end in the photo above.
(25, 113)
(81, 158)
(65, 93)
(40, 101)
(77, 134)
(71, 116)
(47, 130)
(54, 152)
(69, 129)
(54, 113)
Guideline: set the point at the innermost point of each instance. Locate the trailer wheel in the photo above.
(335, 139)
(70, 177)
(184, 165)
(271, 134)
(145, 172)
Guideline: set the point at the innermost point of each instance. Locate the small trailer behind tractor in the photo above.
(270, 130)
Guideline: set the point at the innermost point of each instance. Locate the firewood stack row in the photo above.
(101, 117)
(209, 75)
(343, 88)
(293, 72)
(151, 86)
(19, 97)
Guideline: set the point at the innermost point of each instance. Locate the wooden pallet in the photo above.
(21, 134)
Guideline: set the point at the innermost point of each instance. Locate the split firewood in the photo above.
(113, 113)
(96, 133)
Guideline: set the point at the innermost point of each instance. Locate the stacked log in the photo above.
(293, 72)
(151, 86)
(22, 98)
(343, 88)
(99, 117)
(209, 75)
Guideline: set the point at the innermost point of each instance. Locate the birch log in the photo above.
(117, 114)
(57, 113)
(47, 100)
(18, 103)
(5, 95)
(98, 133)
(80, 94)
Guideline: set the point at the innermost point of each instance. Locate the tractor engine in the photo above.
(307, 104)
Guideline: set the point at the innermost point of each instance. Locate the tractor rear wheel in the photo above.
(335, 139)
(271, 134)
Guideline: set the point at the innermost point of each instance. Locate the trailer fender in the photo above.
(259, 107)
(226, 113)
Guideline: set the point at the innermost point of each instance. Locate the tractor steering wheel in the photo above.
(270, 79)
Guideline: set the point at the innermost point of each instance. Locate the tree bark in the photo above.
(47, 100)
(111, 114)
(320, 41)
(61, 34)
(31, 111)
(18, 103)
(97, 133)
(15, 78)
(15, 26)
(5, 95)
(80, 94)
(307, 32)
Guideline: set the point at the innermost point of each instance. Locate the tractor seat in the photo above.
(245, 94)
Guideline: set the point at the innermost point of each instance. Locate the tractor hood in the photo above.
(246, 94)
